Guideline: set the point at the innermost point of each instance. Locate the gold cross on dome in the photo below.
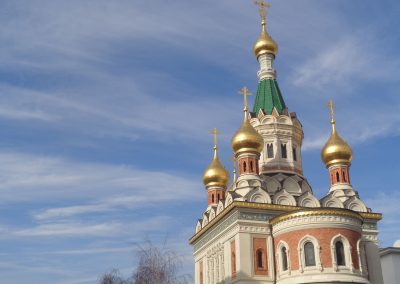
(263, 8)
(331, 106)
(215, 133)
(245, 92)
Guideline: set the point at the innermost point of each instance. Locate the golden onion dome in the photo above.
(265, 44)
(247, 139)
(216, 174)
(336, 150)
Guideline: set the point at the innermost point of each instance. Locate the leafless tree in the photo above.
(155, 266)
(112, 277)
(158, 266)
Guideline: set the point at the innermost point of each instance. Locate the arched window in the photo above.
(260, 258)
(294, 154)
(212, 198)
(284, 151)
(284, 259)
(251, 166)
(244, 167)
(219, 197)
(309, 254)
(339, 252)
(270, 150)
(337, 177)
(344, 177)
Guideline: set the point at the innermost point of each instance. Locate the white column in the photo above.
(244, 258)
(373, 262)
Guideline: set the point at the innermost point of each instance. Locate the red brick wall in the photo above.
(233, 258)
(324, 237)
(248, 161)
(215, 192)
(343, 172)
(260, 244)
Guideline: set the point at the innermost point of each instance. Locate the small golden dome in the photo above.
(215, 175)
(247, 139)
(265, 44)
(336, 150)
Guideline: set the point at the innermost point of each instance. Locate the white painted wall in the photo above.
(390, 260)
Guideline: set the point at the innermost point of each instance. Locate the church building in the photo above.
(266, 225)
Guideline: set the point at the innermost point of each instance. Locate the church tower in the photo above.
(268, 226)
(281, 130)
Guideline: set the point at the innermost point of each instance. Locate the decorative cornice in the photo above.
(242, 204)
(372, 216)
(316, 212)
(284, 209)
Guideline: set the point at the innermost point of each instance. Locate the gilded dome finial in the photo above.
(264, 44)
(263, 11)
(215, 175)
(215, 133)
(331, 106)
(245, 92)
(246, 138)
(336, 150)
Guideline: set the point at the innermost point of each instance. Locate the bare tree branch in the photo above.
(155, 266)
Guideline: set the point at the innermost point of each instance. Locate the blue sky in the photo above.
(106, 109)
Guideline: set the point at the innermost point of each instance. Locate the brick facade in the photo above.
(260, 256)
(324, 237)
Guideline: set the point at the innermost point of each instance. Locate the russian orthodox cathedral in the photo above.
(266, 225)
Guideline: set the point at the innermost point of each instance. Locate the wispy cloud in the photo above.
(70, 211)
(68, 230)
(98, 250)
(346, 60)
(388, 205)
(36, 178)
(76, 228)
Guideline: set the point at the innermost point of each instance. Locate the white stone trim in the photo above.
(198, 226)
(272, 185)
(228, 200)
(258, 195)
(292, 186)
(308, 200)
(281, 272)
(284, 198)
(205, 221)
(220, 207)
(355, 204)
(267, 70)
(362, 259)
(331, 201)
(347, 253)
(271, 258)
(317, 251)
(324, 221)
(212, 214)
(327, 276)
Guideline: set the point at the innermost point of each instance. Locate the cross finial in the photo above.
(331, 106)
(263, 8)
(245, 92)
(215, 133)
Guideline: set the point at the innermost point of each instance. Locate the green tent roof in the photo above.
(268, 97)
